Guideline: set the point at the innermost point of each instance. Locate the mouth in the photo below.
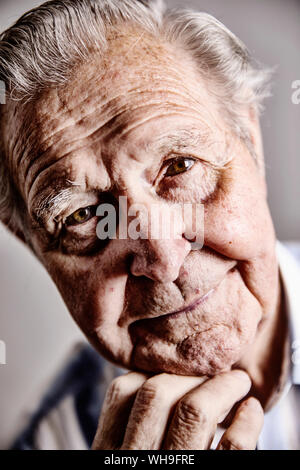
(177, 313)
(158, 312)
(188, 308)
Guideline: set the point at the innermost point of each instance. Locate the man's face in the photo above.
(144, 126)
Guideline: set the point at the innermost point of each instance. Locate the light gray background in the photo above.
(33, 320)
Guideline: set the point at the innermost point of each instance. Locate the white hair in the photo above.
(42, 48)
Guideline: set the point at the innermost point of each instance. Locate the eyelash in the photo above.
(92, 209)
(171, 162)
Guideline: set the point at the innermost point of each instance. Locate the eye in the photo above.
(81, 216)
(179, 165)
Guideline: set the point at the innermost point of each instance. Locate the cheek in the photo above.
(238, 223)
(235, 316)
(92, 295)
(95, 300)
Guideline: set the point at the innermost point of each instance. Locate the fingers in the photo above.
(152, 409)
(138, 410)
(244, 431)
(197, 414)
(115, 411)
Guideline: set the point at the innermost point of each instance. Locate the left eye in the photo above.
(81, 216)
(179, 166)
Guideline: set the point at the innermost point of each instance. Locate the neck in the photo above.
(269, 356)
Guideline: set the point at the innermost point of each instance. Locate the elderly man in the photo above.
(111, 100)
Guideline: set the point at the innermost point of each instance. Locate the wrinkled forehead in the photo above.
(134, 68)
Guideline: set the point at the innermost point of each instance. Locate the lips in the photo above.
(189, 307)
(208, 335)
(177, 313)
(160, 315)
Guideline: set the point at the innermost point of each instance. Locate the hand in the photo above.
(171, 412)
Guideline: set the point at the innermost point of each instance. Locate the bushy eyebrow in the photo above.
(52, 202)
(182, 139)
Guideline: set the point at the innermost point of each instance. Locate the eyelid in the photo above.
(176, 159)
(168, 161)
(76, 201)
(92, 207)
(75, 206)
(172, 160)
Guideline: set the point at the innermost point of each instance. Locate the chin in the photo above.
(206, 353)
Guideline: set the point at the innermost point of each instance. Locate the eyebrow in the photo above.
(53, 201)
(182, 139)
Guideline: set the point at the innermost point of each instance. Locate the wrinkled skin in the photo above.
(102, 131)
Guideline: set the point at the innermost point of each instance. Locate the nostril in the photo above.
(129, 261)
(156, 271)
(137, 266)
(158, 260)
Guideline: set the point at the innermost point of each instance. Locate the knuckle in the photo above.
(117, 388)
(229, 444)
(152, 390)
(191, 413)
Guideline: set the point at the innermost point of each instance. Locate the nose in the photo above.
(160, 260)
(159, 249)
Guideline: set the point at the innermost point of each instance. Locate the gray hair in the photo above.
(42, 48)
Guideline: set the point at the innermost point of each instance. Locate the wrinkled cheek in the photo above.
(113, 343)
(222, 345)
(216, 350)
(87, 290)
(95, 299)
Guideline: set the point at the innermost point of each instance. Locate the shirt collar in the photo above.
(290, 276)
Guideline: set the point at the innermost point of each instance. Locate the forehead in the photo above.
(135, 72)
